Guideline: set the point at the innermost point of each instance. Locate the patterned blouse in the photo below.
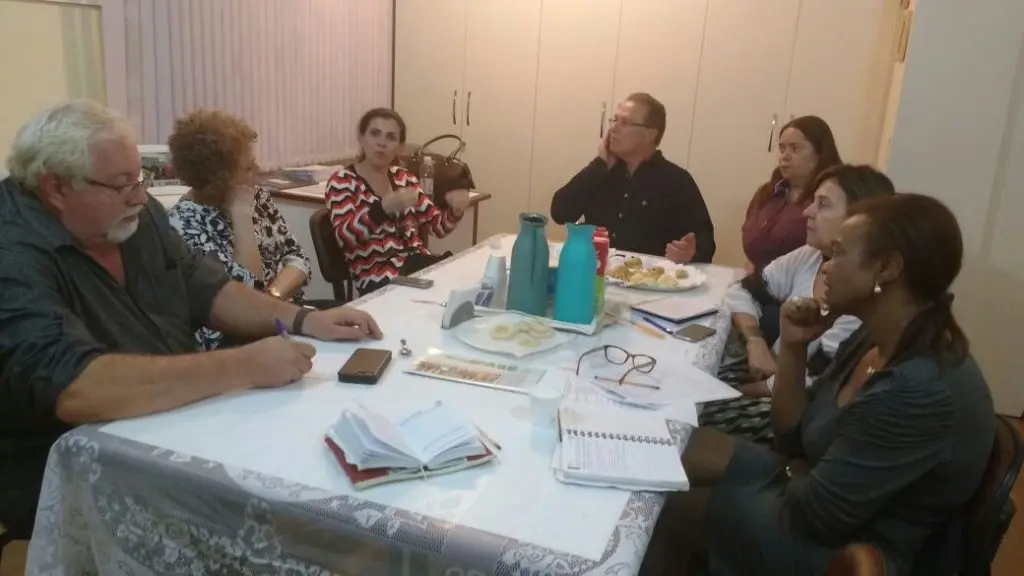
(376, 244)
(207, 229)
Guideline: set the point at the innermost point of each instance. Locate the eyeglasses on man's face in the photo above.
(624, 122)
(641, 363)
(122, 190)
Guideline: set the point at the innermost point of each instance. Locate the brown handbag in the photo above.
(450, 172)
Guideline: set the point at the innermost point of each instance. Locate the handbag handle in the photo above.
(452, 156)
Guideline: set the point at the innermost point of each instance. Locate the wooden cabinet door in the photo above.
(497, 115)
(574, 92)
(430, 50)
(842, 66)
(659, 53)
(741, 93)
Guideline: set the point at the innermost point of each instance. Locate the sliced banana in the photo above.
(527, 341)
(538, 329)
(503, 331)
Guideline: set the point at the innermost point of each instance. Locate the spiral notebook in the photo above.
(615, 447)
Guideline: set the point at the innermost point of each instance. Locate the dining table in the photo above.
(245, 484)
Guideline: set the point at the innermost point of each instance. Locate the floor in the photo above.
(1008, 561)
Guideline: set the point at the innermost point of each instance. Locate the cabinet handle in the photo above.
(455, 96)
(604, 112)
(469, 104)
(771, 132)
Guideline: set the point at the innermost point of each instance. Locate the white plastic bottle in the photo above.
(426, 176)
(494, 284)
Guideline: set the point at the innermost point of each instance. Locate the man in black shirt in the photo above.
(647, 203)
(99, 300)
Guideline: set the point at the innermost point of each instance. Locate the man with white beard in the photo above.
(99, 300)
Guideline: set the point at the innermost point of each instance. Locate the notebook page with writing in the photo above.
(440, 433)
(372, 440)
(428, 436)
(610, 446)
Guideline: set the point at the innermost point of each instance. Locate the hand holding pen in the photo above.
(275, 361)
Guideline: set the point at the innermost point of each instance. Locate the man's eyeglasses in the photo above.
(124, 190)
(625, 122)
(641, 363)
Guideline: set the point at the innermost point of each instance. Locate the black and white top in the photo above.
(207, 229)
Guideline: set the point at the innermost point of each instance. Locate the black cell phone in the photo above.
(694, 332)
(365, 366)
(422, 283)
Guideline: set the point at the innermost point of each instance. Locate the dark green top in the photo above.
(59, 310)
(897, 461)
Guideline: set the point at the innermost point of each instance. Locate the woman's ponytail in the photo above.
(934, 332)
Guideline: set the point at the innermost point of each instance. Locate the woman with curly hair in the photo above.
(226, 214)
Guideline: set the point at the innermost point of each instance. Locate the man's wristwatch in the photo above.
(300, 317)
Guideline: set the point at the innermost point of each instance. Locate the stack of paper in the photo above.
(373, 448)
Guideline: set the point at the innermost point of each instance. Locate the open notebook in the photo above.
(435, 439)
(618, 447)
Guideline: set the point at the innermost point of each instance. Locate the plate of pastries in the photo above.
(651, 273)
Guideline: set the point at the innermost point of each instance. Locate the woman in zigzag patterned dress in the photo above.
(378, 209)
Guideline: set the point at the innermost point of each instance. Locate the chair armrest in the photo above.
(857, 559)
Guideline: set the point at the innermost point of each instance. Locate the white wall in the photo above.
(300, 72)
(50, 53)
(959, 136)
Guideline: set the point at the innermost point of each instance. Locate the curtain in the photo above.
(301, 72)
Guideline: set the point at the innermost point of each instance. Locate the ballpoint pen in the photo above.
(659, 326)
(282, 330)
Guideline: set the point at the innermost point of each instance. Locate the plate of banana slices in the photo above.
(657, 274)
(518, 335)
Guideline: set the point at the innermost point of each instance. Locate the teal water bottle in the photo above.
(574, 288)
(528, 274)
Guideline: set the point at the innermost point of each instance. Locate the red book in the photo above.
(373, 476)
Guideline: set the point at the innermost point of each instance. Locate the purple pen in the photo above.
(282, 330)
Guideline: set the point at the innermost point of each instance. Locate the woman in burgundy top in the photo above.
(775, 223)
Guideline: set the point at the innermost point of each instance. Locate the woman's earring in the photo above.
(878, 288)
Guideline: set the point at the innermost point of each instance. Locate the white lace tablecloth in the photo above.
(242, 484)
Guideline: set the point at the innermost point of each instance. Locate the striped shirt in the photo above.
(376, 244)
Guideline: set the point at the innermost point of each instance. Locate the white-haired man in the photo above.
(99, 300)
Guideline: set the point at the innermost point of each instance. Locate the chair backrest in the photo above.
(985, 520)
(333, 264)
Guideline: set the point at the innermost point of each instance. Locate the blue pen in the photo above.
(659, 326)
(282, 330)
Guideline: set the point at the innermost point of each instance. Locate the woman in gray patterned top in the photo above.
(886, 447)
(226, 214)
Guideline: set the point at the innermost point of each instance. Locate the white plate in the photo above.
(477, 333)
(694, 277)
